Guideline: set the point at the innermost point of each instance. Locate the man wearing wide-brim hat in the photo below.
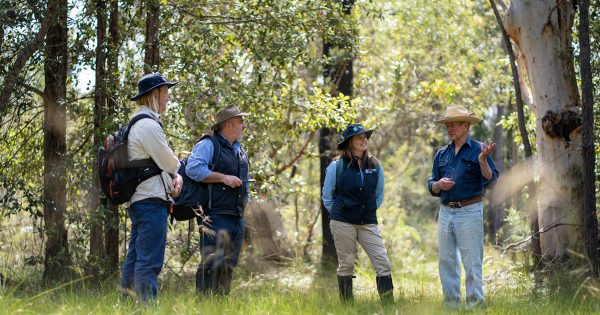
(461, 172)
(228, 193)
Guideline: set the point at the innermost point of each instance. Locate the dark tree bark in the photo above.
(96, 232)
(497, 213)
(328, 253)
(588, 210)
(339, 74)
(57, 257)
(533, 216)
(151, 57)
(1, 36)
(11, 79)
(112, 216)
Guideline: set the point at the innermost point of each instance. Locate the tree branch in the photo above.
(298, 156)
(32, 89)
(10, 80)
(542, 230)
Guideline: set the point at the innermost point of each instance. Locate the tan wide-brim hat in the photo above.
(226, 113)
(458, 114)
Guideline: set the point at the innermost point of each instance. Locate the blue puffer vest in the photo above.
(227, 200)
(354, 199)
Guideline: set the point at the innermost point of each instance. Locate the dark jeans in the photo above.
(235, 226)
(146, 252)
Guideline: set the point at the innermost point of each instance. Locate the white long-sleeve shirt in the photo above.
(148, 140)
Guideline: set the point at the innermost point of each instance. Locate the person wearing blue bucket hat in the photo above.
(352, 193)
(150, 82)
(149, 205)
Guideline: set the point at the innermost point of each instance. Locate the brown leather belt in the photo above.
(463, 203)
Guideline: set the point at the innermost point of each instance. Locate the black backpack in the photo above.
(194, 195)
(118, 176)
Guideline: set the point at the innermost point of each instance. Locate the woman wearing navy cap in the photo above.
(148, 209)
(352, 201)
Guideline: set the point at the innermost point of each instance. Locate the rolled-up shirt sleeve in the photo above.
(435, 176)
(329, 186)
(489, 184)
(379, 189)
(198, 161)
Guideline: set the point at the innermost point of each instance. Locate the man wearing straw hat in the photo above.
(461, 172)
(228, 199)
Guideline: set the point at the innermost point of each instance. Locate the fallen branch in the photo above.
(542, 230)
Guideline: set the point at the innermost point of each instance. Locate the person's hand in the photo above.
(445, 183)
(232, 181)
(177, 185)
(486, 149)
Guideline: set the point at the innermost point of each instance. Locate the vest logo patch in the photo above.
(370, 170)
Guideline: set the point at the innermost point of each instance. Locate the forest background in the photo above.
(304, 70)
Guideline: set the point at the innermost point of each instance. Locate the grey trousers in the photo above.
(345, 237)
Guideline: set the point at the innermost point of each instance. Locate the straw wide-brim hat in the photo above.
(226, 113)
(458, 114)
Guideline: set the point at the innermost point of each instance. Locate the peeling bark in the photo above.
(541, 30)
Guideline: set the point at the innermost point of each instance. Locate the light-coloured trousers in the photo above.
(345, 236)
(460, 239)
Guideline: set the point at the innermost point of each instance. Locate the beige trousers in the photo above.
(345, 236)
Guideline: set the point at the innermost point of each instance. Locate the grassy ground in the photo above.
(298, 289)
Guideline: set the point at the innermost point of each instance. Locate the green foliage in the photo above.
(510, 122)
(412, 59)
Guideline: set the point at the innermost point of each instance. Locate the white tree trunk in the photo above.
(541, 31)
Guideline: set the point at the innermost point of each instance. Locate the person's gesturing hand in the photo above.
(486, 149)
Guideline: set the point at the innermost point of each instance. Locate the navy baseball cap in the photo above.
(149, 82)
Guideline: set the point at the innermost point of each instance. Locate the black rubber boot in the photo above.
(345, 286)
(203, 281)
(385, 287)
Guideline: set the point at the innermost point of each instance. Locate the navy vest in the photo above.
(354, 199)
(227, 200)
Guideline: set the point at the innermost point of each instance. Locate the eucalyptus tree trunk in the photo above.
(96, 231)
(111, 238)
(522, 92)
(588, 210)
(541, 31)
(151, 45)
(57, 258)
(339, 74)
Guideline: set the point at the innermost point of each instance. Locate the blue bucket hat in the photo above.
(149, 82)
(351, 131)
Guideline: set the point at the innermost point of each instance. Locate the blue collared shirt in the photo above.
(463, 168)
(201, 156)
(330, 181)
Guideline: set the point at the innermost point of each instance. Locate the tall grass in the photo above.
(298, 288)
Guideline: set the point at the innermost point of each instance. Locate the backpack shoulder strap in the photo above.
(213, 162)
(216, 150)
(339, 168)
(134, 120)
